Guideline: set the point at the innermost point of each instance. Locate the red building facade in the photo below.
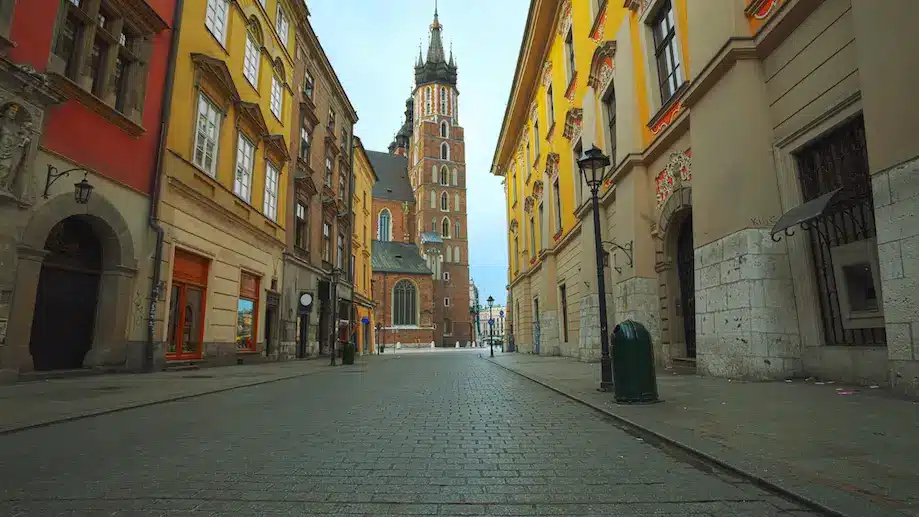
(82, 87)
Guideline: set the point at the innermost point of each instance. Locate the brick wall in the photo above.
(383, 284)
(402, 223)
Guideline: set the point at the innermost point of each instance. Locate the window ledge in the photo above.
(73, 91)
(669, 110)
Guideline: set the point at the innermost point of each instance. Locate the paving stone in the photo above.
(430, 434)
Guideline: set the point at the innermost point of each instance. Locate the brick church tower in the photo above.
(432, 140)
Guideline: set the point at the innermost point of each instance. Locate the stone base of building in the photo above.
(636, 299)
(896, 209)
(746, 317)
(589, 346)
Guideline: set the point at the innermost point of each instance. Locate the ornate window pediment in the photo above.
(537, 190)
(216, 74)
(546, 79)
(573, 122)
(564, 21)
(514, 225)
(277, 147)
(528, 204)
(250, 115)
(677, 173)
(552, 165)
(601, 66)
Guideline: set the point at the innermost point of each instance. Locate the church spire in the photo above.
(436, 47)
(435, 68)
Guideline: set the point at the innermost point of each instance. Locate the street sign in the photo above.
(501, 314)
(365, 320)
(491, 322)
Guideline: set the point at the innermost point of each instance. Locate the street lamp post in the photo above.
(593, 165)
(491, 326)
(472, 326)
(503, 331)
(336, 276)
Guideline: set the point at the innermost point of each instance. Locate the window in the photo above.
(308, 84)
(206, 136)
(444, 176)
(516, 253)
(456, 254)
(445, 228)
(666, 54)
(456, 228)
(251, 60)
(536, 139)
(282, 23)
(341, 186)
(569, 54)
(328, 171)
(447, 276)
(542, 225)
(186, 306)
(456, 203)
(433, 199)
(305, 144)
(247, 313)
(563, 294)
(404, 306)
(533, 236)
(427, 100)
(270, 204)
(557, 197)
(578, 150)
(446, 302)
(434, 224)
(340, 256)
(449, 254)
(385, 230)
(444, 151)
(444, 129)
(277, 97)
(455, 177)
(609, 103)
(215, 19)
(326, 241)
(550, 107)
(245, 161)
(331, 121)
(301, 224)
(444, 202)
(443, 101)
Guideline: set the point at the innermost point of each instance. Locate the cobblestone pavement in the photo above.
(427, 434)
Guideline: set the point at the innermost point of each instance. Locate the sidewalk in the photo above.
(36, 403)
(851, 450)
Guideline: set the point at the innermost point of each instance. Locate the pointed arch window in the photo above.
(433, 199)
(455, 177)
(456, 254)
(443, 101)
(444, 202)
(434, 174)
(434, 225)
(385, 226)
(445, 228)
(444, 176)
(456, 203)
(456, 230)
(427, 100)
(444, 151)
(444, 129)
(449, 254)
(405, 304)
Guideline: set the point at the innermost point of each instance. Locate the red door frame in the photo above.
(189, 270)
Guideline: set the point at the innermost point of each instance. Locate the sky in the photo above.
(373, 45)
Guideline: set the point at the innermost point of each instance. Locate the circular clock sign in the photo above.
(306, 299)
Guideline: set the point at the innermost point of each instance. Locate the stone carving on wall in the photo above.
(601, 67)
(15, 142)
(552, 165)
(671, 179)
(547, 74)
(564, 21)
(537, 190)
(762, 9)
(528, 204)
(573, 124)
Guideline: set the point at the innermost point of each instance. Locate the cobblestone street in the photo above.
(444, 433)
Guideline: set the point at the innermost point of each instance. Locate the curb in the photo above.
(639, 429)
(90, 414)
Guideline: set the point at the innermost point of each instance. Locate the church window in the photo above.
(444, 129)
(433, 199)
(444, 176)
(405, 303)
(444, 202)
(449, 254)
(385, 226)
(443, 101)
(456, 254)
(444, 151)
(445, 228)
(455, 177)
(456, 229)
(427, 100)
(456, 203)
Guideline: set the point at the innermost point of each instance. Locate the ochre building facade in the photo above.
(728, 122)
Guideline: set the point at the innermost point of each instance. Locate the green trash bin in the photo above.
(633, 364)
(347, 353)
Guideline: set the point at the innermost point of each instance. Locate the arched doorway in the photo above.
(685, 266)
(63, 324)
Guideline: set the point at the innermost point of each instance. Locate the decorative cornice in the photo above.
(552, 160)
(598, 29)
(602, 66)
(668, 112)
(546, 76)
(564, 20)
(761, 9)
(677, 173)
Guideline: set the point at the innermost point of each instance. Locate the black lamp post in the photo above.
(491, 326)
(593, 165)
(379, 328)
(336, 276)
(503, 331)
(471, 326)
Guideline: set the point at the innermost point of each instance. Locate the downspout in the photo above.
(155, 184)
(352, 312)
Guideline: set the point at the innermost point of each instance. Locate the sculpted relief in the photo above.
(16, 137)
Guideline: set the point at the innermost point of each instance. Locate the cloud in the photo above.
(373, 46)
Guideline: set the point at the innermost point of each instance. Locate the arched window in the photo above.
(444, 151)
(449, 254)
(443, 101)
(384, 231)
(434, 174)
(404, 304)
(427, 100)
(444, 129)
(445, 228)
(444, 202)
(433, 199)
(456, 254)
(433, 225)
(455, 177)
(456, 203)
(444, 176)
(456, 228)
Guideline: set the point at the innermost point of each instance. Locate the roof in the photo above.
(397, 257)
(392, 171)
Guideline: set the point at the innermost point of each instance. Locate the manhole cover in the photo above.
(198, 376)
(108, 388)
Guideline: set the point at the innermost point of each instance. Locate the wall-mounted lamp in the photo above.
(627, 249)
(81, 190)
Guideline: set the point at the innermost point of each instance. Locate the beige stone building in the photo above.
(759, 215)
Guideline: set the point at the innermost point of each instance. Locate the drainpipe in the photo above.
(155, 184)
(352, 313)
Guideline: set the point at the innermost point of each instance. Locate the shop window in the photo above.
(187, 306)
(247, 313)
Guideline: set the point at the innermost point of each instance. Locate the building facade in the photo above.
(81, 96)
(727, 123)
(314, 305)
(224, 191)
(498, 331)
(432, 143)
(363, 329)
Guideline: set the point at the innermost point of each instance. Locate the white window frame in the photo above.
(446, 276)
(245, 166)
(282, 24)
(444, 202)
(216, 16)
(210, 115)
(444, 129)
(270, 204)
(445, 155)
(251, 61)
(447, 301)
(277, 97)
(443, 101)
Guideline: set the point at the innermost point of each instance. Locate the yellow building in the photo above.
(362, 202)
(223, 196)
(723, 120)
